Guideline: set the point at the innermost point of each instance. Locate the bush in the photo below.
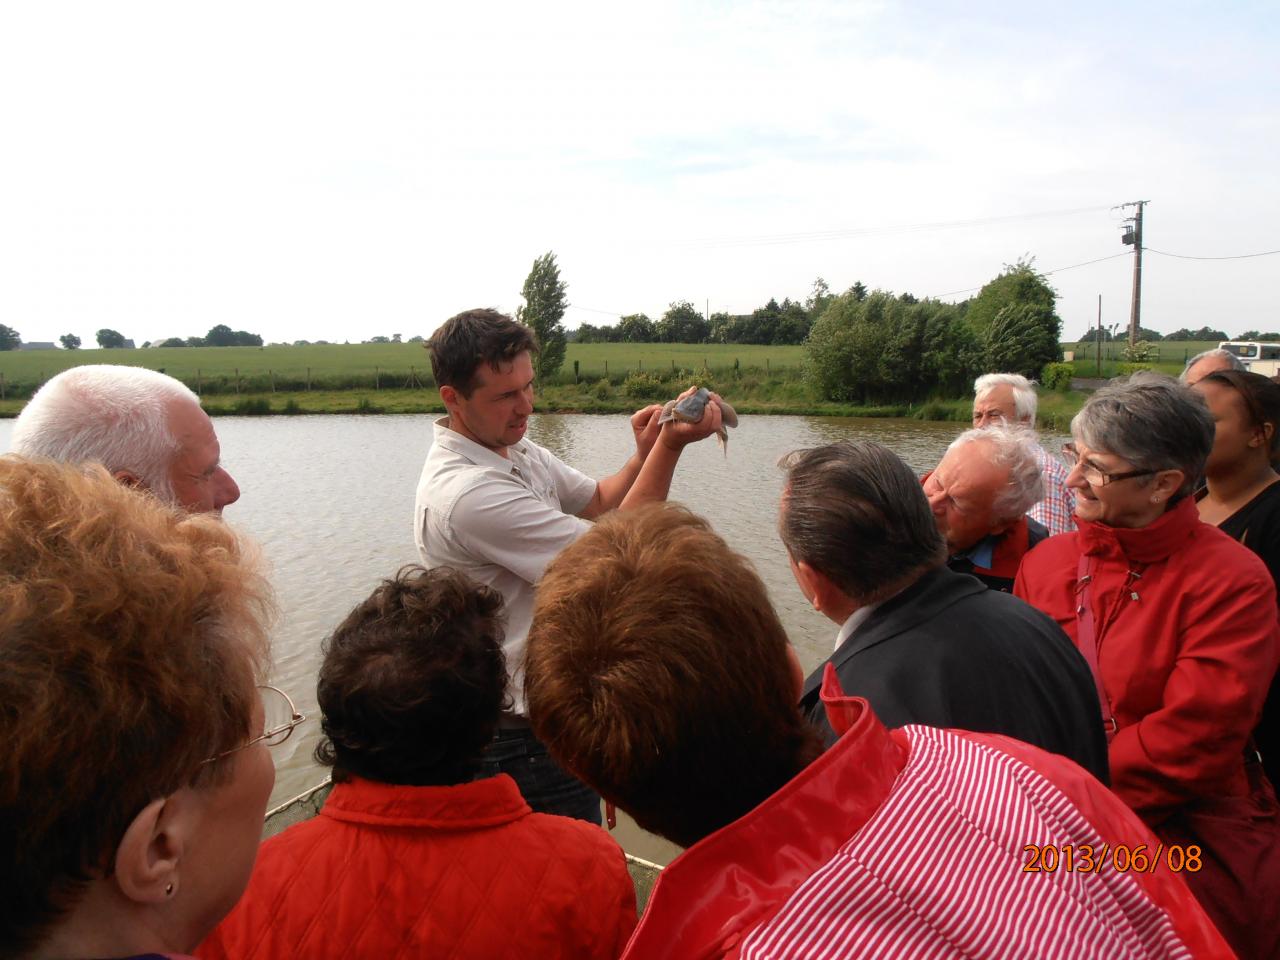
(602, 389)
(291, 407)
(1057, 376)
(645, 386)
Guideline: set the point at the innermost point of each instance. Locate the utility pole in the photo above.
(1098, 339)
(1133, 235)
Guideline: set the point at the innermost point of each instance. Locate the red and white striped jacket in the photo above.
(918, 843)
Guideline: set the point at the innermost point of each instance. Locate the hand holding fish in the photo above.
(646, 426)
(695, 414)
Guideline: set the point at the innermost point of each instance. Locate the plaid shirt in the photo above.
(1057, 510)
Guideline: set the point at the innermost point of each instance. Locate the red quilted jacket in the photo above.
(446, 872)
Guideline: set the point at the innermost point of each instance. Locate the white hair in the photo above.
(113, 415)
(1015, 448)
(1024, 394)
(1217, 353)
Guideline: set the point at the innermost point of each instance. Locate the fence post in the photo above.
(606, 369)
(308, 379)
(1, 386)
(377, 379)
(766, 367)
(199, 383)
(272, 375)
(575, 371)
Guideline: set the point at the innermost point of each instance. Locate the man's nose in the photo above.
(228, 490)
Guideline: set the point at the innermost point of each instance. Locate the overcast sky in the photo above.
(334, 171)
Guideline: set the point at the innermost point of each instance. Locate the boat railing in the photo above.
(307, 804)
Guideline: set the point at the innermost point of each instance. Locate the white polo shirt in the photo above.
(500, 521)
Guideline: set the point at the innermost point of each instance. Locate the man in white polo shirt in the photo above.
(499, 508)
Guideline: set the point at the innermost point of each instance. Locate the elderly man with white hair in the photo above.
(1210, 361)
(1009, 398)
(979, 494)
(148, 429)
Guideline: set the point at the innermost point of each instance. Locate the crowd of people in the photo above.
(1046, 727)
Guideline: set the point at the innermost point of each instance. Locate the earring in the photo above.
(168, 890)
(1155, 499)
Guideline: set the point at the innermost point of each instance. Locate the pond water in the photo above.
(330, 499)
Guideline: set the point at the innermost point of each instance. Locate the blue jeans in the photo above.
(546, 787)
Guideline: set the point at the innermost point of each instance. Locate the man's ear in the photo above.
(150, 852)
(818, 587)
(128, 479)
(1262, 435)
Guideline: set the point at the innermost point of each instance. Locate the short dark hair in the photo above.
(474, 337)
(413, 681)
(1261, 396)
(856, 513)
(657, 671)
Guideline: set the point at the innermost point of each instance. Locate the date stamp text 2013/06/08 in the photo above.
(1087, 858)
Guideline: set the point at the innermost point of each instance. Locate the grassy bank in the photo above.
(778, 397)
(395, 378)
(1055, 409)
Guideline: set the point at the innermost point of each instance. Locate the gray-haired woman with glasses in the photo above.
(1178, 622)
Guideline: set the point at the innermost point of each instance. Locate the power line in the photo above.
(1045, 273)
(845, 234)
(1243, 256)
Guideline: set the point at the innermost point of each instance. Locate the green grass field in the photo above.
(395, 378)
(1172, 356)
(221, 370)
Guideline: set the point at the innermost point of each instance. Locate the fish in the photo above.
(692, 408)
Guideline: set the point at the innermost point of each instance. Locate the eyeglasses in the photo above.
(280, 717)
(1092, 475)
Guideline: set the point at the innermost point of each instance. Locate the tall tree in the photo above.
(10, 339)
(1018, 283)
(70, 341)
(544, 305)
(682, 323)
(109, 339)
(636, 328)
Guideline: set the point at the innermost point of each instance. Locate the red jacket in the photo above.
(443, 872)
(912, 842)
(1186, 651)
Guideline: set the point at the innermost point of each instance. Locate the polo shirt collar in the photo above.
(478, 454)
(982, 553)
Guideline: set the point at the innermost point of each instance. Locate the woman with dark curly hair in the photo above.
(411, 855)
(135, 770)
(1178, 622)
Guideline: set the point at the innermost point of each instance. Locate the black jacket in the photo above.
(948, 652)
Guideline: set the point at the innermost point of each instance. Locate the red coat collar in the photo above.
(481, 803)
(725, 885)
(1150, 544)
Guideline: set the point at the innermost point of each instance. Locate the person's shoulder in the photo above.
(1059, 550)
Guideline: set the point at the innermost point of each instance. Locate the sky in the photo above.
(336, 171)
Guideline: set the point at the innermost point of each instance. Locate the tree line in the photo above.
(1181, 334)
(862, 346)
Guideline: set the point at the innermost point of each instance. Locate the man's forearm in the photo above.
(654, 480)
(610, 491)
